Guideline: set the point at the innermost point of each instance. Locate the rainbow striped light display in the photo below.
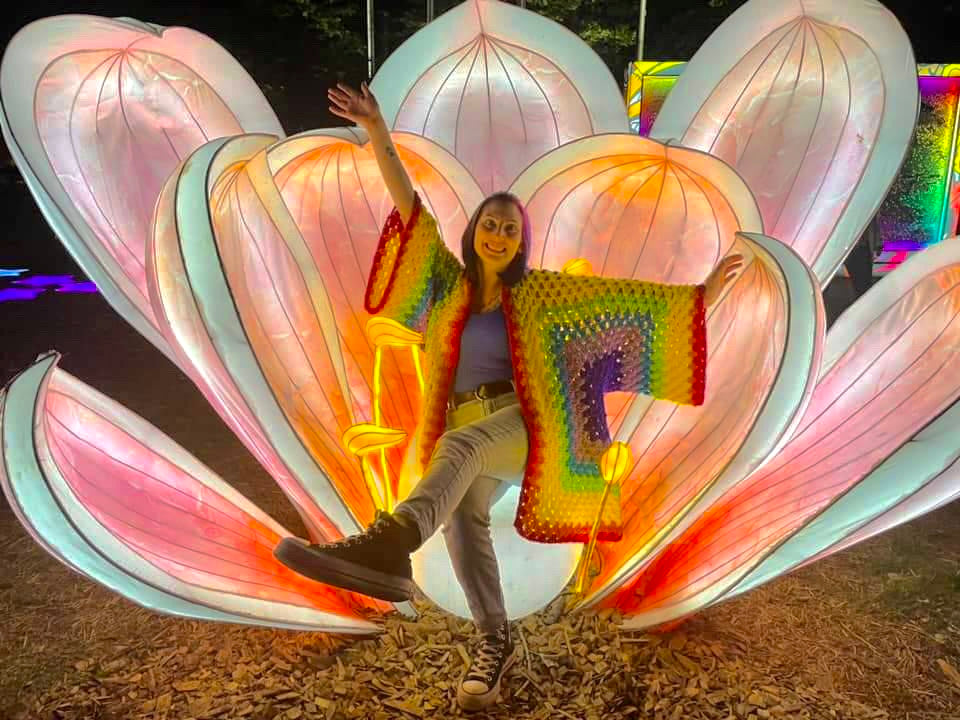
(923, 205)
(648, 84)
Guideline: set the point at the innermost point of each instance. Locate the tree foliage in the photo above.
(608, 26)
(339, 23)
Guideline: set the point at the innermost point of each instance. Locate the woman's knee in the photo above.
(467, 519)
(458, 445)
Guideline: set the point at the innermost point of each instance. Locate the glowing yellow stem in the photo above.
(584, 570)
(387, 490)
(613, 466)
(383, 332)
(386, 500)
(376, 386)
(371, 485)
(415, 351)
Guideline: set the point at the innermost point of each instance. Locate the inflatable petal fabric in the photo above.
(762, 369)
(883, 369)
(498, 86)
(640, 209)
(251, 272)
(930, 461)
(115, 499)
(89, 103)
(814, 103)
(194, 306)
(880, 385)
(331, 185)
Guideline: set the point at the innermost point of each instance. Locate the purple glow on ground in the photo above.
(12, 294)
(78, 287)
(44, 281)
(903, 246)
(33, 286)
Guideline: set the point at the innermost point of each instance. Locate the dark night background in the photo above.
(293, 65)
(872, 618)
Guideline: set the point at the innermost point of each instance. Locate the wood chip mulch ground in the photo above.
(851, 637)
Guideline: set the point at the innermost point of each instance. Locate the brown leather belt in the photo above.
(487, 391)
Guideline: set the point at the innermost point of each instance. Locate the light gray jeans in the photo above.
(483, 451)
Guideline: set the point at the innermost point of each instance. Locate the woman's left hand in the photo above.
(722, 275)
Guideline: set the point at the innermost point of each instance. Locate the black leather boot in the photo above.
(375, 562)
(481, 685)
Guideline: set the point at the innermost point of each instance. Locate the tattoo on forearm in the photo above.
(390, 151)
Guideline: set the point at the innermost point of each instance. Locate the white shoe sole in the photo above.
(472, 702)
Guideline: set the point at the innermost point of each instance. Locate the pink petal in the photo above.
(634, 208)
(184, 326)
(814, 104)
(760, 371)
(883, 379)
(114, 498)
(99, 113)
(498, 86)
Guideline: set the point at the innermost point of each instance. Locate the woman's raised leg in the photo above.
(492, 446)
(377, 562)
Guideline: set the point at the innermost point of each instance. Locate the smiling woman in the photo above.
(625, 335)
(495, 246)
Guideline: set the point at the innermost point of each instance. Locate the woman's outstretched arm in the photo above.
(362, 108)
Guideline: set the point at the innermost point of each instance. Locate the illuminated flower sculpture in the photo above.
(243, 256)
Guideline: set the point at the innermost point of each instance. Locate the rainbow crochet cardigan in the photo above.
(572, 339)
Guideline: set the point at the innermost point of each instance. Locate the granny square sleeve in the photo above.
(573, 340)
(412, 269)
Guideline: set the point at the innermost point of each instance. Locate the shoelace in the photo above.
(490, 656)
(375, 529)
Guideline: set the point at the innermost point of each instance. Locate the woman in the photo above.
(478, 319)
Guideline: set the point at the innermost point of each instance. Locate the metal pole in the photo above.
(523, 3)
(370, 53)
(429, 10)
(642, 29)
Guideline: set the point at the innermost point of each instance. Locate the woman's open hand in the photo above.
(358, 107)
(722, 275)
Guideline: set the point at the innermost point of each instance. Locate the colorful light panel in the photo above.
(648, 84)
(923, 205)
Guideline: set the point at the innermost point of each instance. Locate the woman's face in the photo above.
(498, 235)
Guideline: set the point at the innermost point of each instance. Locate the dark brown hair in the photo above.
(517, 268)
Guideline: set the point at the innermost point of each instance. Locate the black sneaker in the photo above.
(481, 685)
(375, 562)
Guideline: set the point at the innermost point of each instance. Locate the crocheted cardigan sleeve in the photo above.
(573, 340)
(613, 335)
(412, 269)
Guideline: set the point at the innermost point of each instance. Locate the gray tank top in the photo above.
(484, 351)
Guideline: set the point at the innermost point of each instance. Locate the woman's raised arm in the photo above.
(362, 108)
